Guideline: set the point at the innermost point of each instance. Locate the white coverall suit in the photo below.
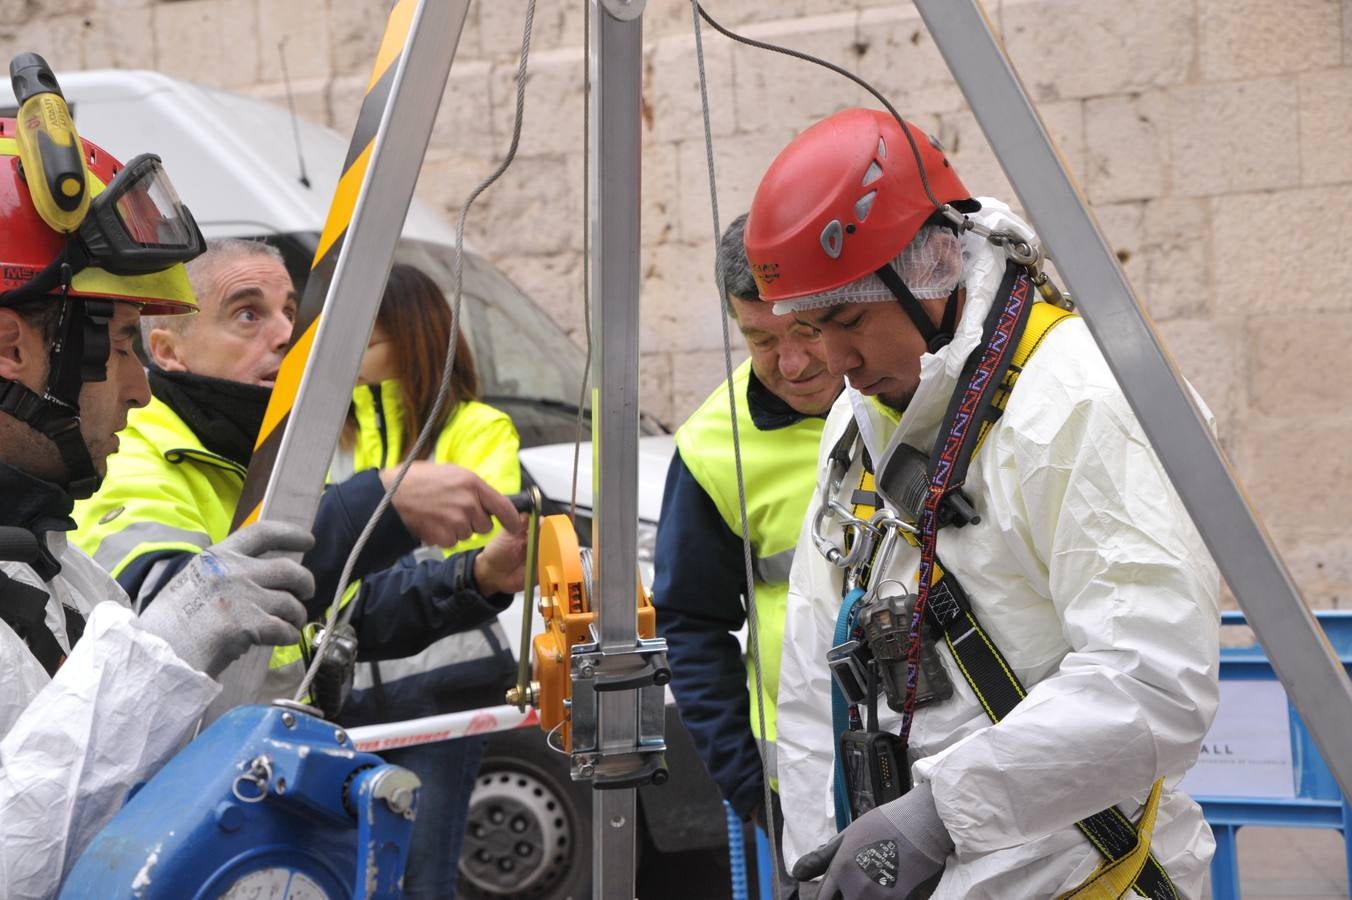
(1085, 571)
(119, 708)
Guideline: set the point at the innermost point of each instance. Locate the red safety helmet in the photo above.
(129, 248)
(28, 244)
(841, 201)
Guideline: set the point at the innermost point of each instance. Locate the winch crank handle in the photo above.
(528, 501)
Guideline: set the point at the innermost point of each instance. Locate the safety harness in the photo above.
(1013, 330)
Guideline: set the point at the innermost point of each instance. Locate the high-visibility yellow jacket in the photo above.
(700, 569)
(476, 436)
(461, 670)
(166, 496)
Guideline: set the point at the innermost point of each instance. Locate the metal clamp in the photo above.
(596, 673)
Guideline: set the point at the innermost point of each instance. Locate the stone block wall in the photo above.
(1212, 137)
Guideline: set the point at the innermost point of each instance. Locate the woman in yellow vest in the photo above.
(397, 387)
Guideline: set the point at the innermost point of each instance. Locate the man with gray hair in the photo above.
(173, 487)
(782, 394)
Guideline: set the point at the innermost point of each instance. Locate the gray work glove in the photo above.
(885, 854)
(230, 598)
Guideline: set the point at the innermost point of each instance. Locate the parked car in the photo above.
(236, 162)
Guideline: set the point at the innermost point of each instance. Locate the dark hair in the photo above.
(42, 314)
(737, 277)
(416, 319)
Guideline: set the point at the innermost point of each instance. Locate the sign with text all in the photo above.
(1247, 752)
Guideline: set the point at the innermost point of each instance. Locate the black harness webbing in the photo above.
(988, 378)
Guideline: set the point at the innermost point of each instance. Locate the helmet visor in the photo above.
(137, 224)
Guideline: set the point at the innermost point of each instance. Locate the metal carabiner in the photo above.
(890, 528)
(856, 540)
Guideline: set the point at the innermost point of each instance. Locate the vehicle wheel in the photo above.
(528, 832)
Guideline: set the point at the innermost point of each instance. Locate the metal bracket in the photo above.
(642, 671)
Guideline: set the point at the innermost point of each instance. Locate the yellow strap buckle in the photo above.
(1114, 879)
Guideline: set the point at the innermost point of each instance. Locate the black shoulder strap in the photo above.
(942, 599)
(24, 609)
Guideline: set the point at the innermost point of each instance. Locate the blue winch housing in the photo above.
(270, 801)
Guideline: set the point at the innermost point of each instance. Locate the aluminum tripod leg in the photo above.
(616, 78)
(302, 423)
(1293, 641)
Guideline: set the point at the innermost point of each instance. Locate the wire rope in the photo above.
(752, 616)
(839, 70)
(338, 614)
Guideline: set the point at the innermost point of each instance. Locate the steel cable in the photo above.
(339, 615)
(752, 618)
(839, 70)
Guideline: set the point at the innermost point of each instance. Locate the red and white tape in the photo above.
(432, 729)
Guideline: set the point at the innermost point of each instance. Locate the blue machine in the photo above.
(270, 802)
(1317, 802)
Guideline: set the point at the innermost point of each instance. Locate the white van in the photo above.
(236, 162)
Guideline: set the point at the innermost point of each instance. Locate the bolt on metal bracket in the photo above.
(642, 672)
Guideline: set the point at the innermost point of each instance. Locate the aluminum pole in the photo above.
(1291, 637)
(296, 478)
(616, 68)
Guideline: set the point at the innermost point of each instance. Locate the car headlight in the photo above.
(647, 551)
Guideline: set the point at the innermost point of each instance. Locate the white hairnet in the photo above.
(930, 265)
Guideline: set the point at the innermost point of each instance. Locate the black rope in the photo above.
(839, 70)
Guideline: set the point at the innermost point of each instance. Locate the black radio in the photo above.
(875, 769)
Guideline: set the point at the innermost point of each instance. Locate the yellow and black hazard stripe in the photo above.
(283, 399)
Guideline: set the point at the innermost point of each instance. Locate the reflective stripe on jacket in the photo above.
(462, 670)
(779, 476)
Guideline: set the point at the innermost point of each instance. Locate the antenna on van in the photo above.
(291, 105)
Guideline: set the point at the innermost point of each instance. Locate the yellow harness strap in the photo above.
(1114, 879)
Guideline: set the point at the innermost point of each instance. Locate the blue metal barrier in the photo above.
(1317, 802)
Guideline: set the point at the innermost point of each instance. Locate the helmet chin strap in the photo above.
(79, 354)
(935, 337)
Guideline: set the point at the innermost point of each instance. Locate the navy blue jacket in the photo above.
(402, 606)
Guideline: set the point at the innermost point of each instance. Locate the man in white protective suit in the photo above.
(1055, 675)
(95, 699)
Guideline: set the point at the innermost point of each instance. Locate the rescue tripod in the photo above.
(599, 670)
(597, 679)
(614, 676)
